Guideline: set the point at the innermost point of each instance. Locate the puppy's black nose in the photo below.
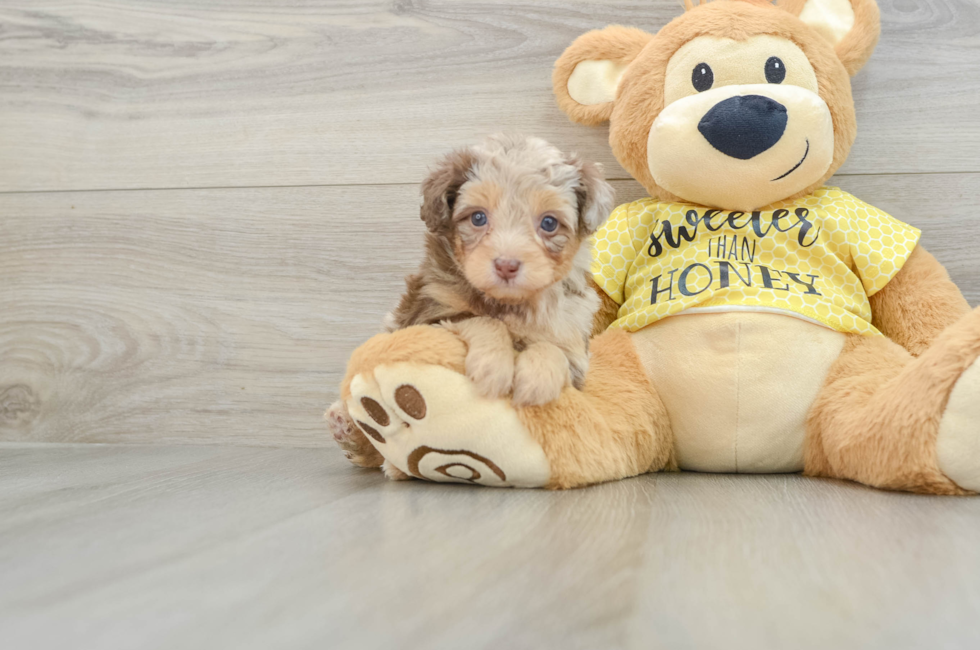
(506, 269)
(743, 127)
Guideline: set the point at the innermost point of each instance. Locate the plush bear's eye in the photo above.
(775, 70)
(478, 219)
(549, 224)
(702, 78)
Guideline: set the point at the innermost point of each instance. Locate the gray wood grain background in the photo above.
(204, 207)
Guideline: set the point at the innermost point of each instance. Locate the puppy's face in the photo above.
(513, 213)
(512, 242)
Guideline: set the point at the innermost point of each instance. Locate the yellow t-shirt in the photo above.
(819, 257)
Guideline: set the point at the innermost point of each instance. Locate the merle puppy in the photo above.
(507, 267)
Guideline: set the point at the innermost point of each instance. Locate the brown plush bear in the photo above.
(758, 320)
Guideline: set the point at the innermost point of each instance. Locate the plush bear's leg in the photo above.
(408, 392)
(882, 415)
(615, 427)
(958, 443)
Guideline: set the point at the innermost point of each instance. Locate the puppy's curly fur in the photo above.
(507, 268)
(547, 308)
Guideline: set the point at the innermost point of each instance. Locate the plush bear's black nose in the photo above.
(744, 126)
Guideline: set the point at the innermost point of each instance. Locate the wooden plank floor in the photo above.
(205, 205)
(116, 546)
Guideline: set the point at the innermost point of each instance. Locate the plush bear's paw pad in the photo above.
(958, 442)
(410, 401)
(356, 448)
(377, 414)
(372, 412)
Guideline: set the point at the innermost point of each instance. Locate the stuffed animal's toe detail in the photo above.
(376, 411)
(368, 409)
(958, 443)
(410, 400)
(371, 432)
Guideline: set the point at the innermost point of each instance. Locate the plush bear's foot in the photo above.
(356, 447)
(430, 422)
(958, 443)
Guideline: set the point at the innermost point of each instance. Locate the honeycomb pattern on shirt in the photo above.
(820, 257)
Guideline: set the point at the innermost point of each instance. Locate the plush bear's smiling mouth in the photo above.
(797, 165)
(741, 147)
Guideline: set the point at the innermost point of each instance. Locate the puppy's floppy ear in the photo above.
(851, 26)
(439, 190)
(587, 74)
(595, 196)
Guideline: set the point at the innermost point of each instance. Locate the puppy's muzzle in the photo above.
(744, 126)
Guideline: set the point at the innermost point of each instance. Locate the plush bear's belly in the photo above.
(738, 386)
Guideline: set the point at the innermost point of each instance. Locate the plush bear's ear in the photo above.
(851, 26)
(588, 72)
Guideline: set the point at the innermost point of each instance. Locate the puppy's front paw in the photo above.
(541, 373)
(492, 371)
(350, 439)
(490, 355)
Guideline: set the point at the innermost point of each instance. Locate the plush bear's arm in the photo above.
(608, 309)
(918, 303)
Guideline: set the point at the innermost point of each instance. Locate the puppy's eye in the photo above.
(549, 224)
(478, 219)
(775, 70)
(702, 78)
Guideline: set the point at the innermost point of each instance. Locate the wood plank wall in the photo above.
(205, 206)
